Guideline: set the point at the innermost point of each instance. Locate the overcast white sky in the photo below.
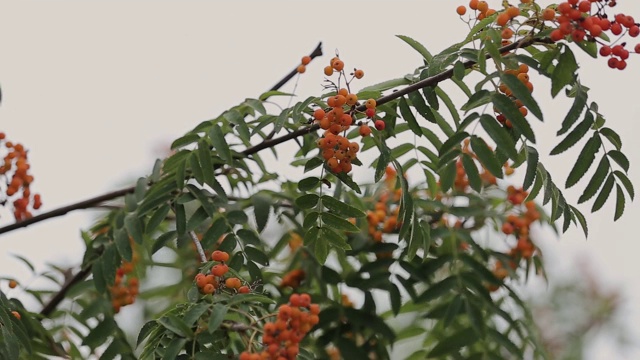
(95, 89)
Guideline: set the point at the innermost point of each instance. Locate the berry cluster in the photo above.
(518, 225)
(125, 287)
(384, 218)
(293, 278)
(335, 148)
(303, 64)
(461, 181)
(215, 280)
(522, 74)
(481, 7)
(580, 21)
(282, 337)
(19, 181)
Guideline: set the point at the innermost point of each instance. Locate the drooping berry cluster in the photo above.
(15, 170)
(282, 337)
(335, 148)
(587, 20)
(293, 278)
(125, 288)
(522, 74)
(461, 181)
(383, 219)
(215, 280)
(518, 224)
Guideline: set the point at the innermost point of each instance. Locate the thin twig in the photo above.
(196, 242)
(315, 53)
(60, 295)
(84, 204)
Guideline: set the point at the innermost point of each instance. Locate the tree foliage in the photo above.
(324, 266)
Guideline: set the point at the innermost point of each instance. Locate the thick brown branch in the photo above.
(92, 202)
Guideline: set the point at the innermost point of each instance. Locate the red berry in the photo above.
(605, 50)
(380, 125)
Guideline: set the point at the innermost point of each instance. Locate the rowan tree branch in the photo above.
(268, 143)
(315, 53)
(271, 142)
(98, 200)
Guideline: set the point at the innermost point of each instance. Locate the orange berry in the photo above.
(523, 110)
(502, 19)
(370, 104)
(339, 100)
(461, 10)
(548, 14)
(358, 74)
(244, 289)
(523, 68)
(507, 228)
(306, 60)
(219, 256)
(328, 70)
(483, 6)
(318, 114)
(473, 4)
(233, 283)
(523, 77)
(13, 284)
(16, 314)
(305, 300)
(301, 69)
(332, 163)
(338, 65)
(507, 33)
(208, 289)
(513, 11)
(294, 300)
(364, 130)
(219, 270)
(352, 99)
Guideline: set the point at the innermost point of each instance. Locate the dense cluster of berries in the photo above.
(336, 149)
(293, 278)
(125, 287)
(15, 170)
(579, 20)
(519, 226)
(522, 74)
(383, 219)
(282, 337)
(215, 280)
